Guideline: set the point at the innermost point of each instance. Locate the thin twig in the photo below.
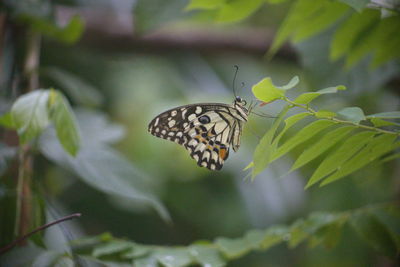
(22, 238)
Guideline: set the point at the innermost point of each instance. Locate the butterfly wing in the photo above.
(205, 130)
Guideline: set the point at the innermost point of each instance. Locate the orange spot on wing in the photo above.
(222, 153)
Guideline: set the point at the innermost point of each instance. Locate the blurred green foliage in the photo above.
(140, 188)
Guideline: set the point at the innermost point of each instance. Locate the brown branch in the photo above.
(105, 30)
(41, 228)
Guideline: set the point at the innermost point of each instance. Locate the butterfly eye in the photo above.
(204, 119)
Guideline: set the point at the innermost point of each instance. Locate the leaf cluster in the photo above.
(362, 29)
(348, 139)
(319, 228)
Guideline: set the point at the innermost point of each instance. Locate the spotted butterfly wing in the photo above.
(206, 130)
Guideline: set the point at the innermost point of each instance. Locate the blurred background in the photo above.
(137, 59)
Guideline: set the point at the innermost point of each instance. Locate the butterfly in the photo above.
(206, 130)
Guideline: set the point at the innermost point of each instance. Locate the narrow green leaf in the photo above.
(375, 233)
(204, 4)
(356, 4)
(390, 157)
(274, 235)
(262, 152)
(353, 114)
(303, 135)
(381, 123)
(174, 257)
(299, 12)
(329, 14)
(146, 262)
(341, 155)
(64, 121)
(328, 235)
(207, 256)
(306, 98)
(30, 115)
(349, 32)
(322, 145)
(379, 146)
(233, 11)
(233, 248)
(291, 84)
(386, 115)
(111, 247)
(305, 228)
(266, 91)
(289, 122)
(7, 121)
(136, 251)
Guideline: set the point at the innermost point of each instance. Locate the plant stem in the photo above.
(314, 113)
(22, 238)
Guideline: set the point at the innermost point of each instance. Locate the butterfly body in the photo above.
(206, 130)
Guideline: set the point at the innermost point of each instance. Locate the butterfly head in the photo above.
(240, 101)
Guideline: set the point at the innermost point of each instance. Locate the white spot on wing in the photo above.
(198, 110)
(173, 113)
(156, 122)
(183, 113)
(171, 123)
(192, 142)
(196, 157)
(171, 133)
(204, 164)
(192, 117)
(179, 134)
(163, 132)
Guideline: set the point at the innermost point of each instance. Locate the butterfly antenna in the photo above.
(234, 79)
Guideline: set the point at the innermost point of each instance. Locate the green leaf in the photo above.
(349, 32)
(69, 34)
(204, 4)
(274, 235)
(329, 14)
(207, 256)
(386, 115)
(356, 4)
(100, 166)
(233, 248)
(174, 257)
(7, 121)
(266, 91)
(375, 233)
(29, 114)
(380, 123)
(303, 135)
(136, 251)
(334, 160)
(322, 145)
(233, 11)
(306, 98)
(262, 153)
(111, 247)
(79, 90)
(300, 11)
(146, 262)
(379, 146)
(293, 82)
(328, 235)
(353, 114)
(303, 229)
(64, 121)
